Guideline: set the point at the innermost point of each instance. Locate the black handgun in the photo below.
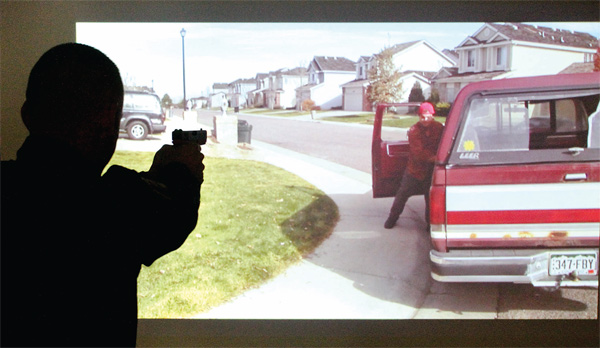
(197, 136)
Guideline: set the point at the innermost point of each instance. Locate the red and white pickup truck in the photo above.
(515, 195)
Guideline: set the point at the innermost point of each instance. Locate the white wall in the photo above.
(290, 83)
(529, 61)
(420, 57)
(329, 94)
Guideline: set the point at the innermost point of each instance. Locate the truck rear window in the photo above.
(528, 128)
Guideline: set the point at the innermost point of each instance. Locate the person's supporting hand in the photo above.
(186, 153)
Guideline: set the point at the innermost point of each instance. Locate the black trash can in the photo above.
(236, 109)
(244, 132)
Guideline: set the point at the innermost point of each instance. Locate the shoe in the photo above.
(390, 222)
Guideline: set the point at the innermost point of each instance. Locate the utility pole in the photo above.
(182, 32)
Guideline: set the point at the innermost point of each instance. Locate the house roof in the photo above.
(285, 71)
(309, 87)
(246, 81)
(578, 68)
(333, 64)
(535, 34)
(452, 54)
(426, 74)
(405, 46)
(297, 71)
(401, 47)
(220, 85)
(471, 76)
(416, 75)
(445, 72)
(356, 83)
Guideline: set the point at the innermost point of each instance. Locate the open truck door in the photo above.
(389, 153)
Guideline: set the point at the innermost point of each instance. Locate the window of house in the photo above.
(500, 56)
(471, 59)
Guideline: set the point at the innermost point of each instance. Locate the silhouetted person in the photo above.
(423, 140)
(73, 240)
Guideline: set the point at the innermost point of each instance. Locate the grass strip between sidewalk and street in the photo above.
(255, 220)
(400, 121)
(275, 112)
(358, 117)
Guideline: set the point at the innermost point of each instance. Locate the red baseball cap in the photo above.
(426, 109)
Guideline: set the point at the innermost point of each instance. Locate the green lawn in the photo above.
(255, 221)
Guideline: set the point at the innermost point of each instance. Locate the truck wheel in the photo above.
(137, 130)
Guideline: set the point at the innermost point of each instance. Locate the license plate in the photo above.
(579, 263)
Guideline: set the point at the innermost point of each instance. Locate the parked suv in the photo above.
(515, 195)
(142, 115)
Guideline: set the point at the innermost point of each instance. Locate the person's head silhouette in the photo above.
(75, 95)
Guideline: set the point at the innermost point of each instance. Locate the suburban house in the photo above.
(505, 50)
(198, 103)
(418, 61)
(220, 87)
(238, 91)
(219, 93)
(217, 100)
(325, 76)
(281, 89)
(354, 93)
(257, 97)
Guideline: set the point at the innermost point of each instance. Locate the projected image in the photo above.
(324, 141)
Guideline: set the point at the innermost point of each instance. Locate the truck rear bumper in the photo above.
(513, 266)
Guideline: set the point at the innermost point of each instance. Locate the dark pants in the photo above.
(410, 186)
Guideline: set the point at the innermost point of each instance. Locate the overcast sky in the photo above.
(150, 54)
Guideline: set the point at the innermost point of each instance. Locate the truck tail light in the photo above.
(437, 209)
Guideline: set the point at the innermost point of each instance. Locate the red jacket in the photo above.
(423, 142)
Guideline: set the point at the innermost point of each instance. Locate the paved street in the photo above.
(346, 144)
(364, 271)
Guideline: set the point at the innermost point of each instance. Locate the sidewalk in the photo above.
(355, 273)
(362, 271)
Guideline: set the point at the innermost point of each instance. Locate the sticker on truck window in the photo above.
(469, 145)
(469, 155)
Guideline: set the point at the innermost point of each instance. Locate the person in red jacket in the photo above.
(423, 140)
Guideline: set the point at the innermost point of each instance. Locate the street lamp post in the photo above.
(182, 32)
